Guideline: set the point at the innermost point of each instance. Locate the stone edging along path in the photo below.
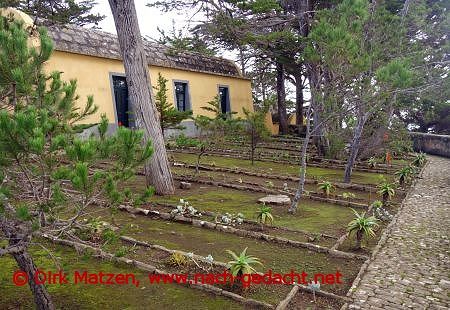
(206, 167)
(212, 214)
(270, 191)
(281, 160)
(224, 265)
(385, 235)
(334, 198)
(241, 232)
(283, 305)
(152, 269)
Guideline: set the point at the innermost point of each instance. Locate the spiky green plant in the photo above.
(372, 162)
(242, 264)
(326, 187)
(404, 174)
(377, 204)
(419, 160)
(387, 191)
(264, 215)
(363, 226)
(348, 195)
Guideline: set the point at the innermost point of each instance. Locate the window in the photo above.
(224, 97)
(121, 100)
(182, 96)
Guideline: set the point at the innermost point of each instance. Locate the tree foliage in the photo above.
(50, 179)
(78, 12)
(169, 117)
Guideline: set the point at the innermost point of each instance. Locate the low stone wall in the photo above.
(431, 144)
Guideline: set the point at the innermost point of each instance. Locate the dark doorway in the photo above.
(224, 99)
(181, 96)
(123, 107)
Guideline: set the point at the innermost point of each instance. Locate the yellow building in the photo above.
(93, 58)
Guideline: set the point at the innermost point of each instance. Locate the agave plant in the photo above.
(363, 226)
(348, 195)
(242, 264)
(326, 187)
(377, 204)
(419, 160)
(387, 191)
(404, 174)
(372, 162)
(264, 215)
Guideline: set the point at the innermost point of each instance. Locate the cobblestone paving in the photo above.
(412, 269)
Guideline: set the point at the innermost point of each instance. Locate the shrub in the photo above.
(122, 251)
(178, 260)
(184, 141)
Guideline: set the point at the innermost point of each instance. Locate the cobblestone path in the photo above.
(412, 269)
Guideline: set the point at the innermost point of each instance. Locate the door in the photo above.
(224, 99)
(121, 100)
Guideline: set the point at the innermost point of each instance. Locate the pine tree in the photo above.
(255, 128)
(46, 170)
(169, 117)
(58, 11)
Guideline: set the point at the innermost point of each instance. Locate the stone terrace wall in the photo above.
(431, 144)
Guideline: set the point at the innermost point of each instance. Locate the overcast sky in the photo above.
(149, 18)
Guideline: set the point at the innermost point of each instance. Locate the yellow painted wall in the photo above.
(93, 78)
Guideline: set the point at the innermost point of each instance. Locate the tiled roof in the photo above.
(91, 42)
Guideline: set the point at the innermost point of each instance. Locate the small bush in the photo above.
(178, 260)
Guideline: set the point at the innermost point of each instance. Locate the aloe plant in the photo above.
(377, 204)
(404, 174)
(242, 264)
(326, 187)
(372, 162)
(264, 215)
(419, 160)
(363, 226)
(387, 191)
(348, 195)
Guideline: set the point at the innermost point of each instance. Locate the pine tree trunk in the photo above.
(319, 139)
(281, 100)
(157, 169)
(41, 296)
(299, 103)
(355, 146)
(18, 235)
(301, 182)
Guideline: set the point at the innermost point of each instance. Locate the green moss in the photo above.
(70, 296)
(283, 168)
(234, 178)
(312, 216)
(201, 241)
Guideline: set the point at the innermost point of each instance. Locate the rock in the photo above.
(185, 185)
(276, 200)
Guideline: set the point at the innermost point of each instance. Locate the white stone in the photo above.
(275, 200)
